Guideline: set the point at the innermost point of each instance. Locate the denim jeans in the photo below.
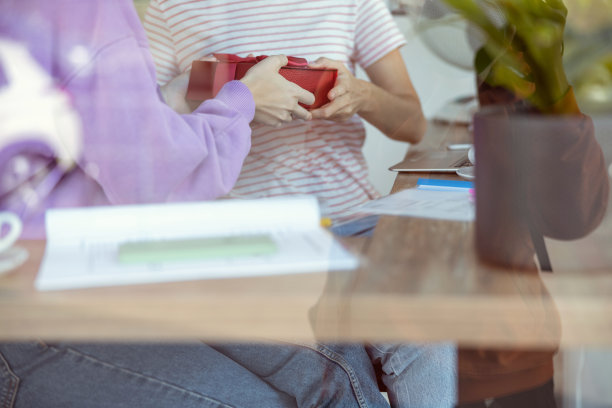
(418, 375)
(38, 375)
(317, 375)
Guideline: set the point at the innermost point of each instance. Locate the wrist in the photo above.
(365, 102)
(163, 91)
(239, 96)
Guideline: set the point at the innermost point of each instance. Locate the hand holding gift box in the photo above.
(207, 77)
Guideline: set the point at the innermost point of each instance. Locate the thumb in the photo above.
(327, 63)
(275, 62)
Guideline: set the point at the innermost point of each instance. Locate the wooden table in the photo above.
(419, 280)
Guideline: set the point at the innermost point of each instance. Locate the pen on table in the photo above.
(459, 146)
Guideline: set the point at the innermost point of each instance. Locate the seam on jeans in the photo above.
(9, 393)
(148, 378)
(338, 359)
(397, 389)
(375, 346)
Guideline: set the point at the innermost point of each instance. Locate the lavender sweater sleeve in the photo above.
(135, 146)
(140, 150)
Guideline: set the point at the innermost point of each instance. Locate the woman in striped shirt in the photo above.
(323, 156)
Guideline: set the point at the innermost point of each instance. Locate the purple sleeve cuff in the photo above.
(239, 97)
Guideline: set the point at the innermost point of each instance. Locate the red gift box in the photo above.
(207, 77)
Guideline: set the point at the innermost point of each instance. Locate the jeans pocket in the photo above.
(9, 382)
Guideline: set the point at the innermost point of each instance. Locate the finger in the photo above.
(301, 113)
(209, 57)
(332, 109)
(319, 113)
(324, 112)
(275, 62)
(326, 63)
(319, 62)
(342, 103)
(286, 117)
(282, 118)
(305, 97)
(336, 92)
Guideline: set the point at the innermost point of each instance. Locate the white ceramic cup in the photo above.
(10, 221)
(472, 155)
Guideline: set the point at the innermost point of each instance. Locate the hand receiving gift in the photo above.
(346, 97)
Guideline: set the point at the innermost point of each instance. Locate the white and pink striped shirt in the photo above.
(317, 157)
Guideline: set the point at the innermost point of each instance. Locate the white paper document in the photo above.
(119, 245)
(424, 203)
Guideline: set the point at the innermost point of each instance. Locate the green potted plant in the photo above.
(522, 51)
(539, 170)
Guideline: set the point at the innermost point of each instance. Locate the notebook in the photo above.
(440, 161)
(121, 245)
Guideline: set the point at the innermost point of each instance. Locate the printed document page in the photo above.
(424, 203)
(104, 246)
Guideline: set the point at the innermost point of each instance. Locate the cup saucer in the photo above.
(12, 258)
(467, 172)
